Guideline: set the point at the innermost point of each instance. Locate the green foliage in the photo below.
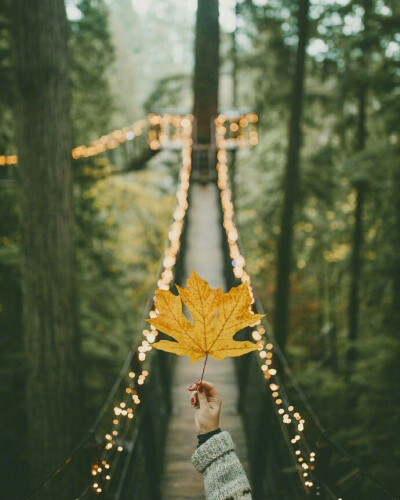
(154, 53)
(331, 167)
(6, 81)
(118, 257)
(92, 53)
(167, 93)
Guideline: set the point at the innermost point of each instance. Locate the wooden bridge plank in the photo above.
(204, 255)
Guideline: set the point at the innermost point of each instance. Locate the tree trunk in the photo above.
(355, 273)
(50, 323)
(291, 181)
(396, 264)
(235, 59)
(206, 69)
(233, 163)
(360, 187)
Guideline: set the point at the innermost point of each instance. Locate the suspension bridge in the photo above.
(140, 444)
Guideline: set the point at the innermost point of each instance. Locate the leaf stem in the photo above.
(204, 367)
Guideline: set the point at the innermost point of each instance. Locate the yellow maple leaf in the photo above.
(216, 318)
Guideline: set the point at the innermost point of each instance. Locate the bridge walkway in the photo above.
(204, 255)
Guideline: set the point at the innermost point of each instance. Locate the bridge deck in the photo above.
(204, 255)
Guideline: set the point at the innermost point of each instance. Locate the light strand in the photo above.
(289, 418)
(167, 131)
(113, 440)
(238, 131)
(106, 142)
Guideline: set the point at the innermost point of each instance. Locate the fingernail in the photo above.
(200, 389)
(192, 401)
(197, 380)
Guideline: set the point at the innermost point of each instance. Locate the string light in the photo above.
(106, 142)
(124, 409)
(164, 131)
(6, 161)
(238, 267)
(176, 228)
(238, 131)
(110, 141)
(184, 125)
(169, 131)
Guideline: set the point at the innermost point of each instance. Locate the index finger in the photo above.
(210, 388)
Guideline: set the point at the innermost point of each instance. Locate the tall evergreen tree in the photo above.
(360, 187)
(285, 243)
(206, 69)
(7, 80)
(47, 249)
(92, 54)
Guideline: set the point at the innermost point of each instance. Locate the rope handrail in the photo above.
(238, 271)
(158, 135)
(108, 141)
(188, 159)
(58, 469)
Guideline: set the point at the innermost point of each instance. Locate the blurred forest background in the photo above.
(132, 57)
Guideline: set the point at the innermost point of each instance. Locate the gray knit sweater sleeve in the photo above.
(223, 474)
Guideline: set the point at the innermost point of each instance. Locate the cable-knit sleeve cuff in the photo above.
(213, 448)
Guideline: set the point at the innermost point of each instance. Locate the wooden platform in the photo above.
(204, 255)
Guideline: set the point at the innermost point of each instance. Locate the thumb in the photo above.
(201, 394)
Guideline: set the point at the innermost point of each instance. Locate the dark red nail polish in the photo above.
(201, 388)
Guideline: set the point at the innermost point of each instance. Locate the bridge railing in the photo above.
(274, 472)
(126, 149)
(121, 455)
(282, 464)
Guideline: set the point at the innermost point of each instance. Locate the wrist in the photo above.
(206, 430)
(203, 437)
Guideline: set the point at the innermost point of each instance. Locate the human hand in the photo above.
(207, 404)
